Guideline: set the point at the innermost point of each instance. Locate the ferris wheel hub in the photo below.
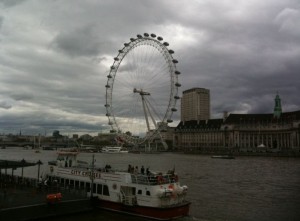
(141, 92)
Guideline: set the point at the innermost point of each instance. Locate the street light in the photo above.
(39, 163)
(23, 163)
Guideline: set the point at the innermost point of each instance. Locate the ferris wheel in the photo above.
(142, 89)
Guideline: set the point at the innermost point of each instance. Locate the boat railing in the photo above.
(152, 179)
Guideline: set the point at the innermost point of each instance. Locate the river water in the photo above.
(245, 188)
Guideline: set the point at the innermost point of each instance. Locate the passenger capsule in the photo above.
(120, 51)
(146, 34)
(107, 86)
(126, 44)
(132, 39)
(174, 61)
(173, 109)
(109, 76)
(139, 36)
(107, 114)
(176, 97)
(116, 58)
(112, 67)
(106, 105)
(169, 120)
(153, 35)
(113, 131)
(171, 51)
(177, 72)
(160, 38)
(166, 44)
(177, 84)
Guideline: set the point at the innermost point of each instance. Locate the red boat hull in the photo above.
(165, 213)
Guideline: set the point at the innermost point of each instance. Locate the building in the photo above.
(199, 135)
(261, 132)
(277, 131)
(195, 104)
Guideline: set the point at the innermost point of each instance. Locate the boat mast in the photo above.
(92, 176)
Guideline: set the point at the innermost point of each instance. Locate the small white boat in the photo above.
(223, 157)
(261, 146)
(115, 149)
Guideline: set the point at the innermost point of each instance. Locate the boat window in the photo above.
(148, 193)
(99, 189)
(88, 187)
(105, 190)
(81, 185)
(62, 181)
(76, 184)
(72, 183)
(94, 188)
(139, 192)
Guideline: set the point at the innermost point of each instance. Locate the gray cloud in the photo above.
(21, 97)
(1, 21)
(55, 56)
(82, 42)
(5, 105)
(10, 3)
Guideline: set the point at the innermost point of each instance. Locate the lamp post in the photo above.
(39, 165)
(23, 163)
(6, 165)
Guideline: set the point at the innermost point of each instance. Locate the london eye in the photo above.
(142, 89)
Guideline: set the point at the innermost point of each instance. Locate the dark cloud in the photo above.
(22, 97)
(55, 56)
(1, 21)
(5, 105)
(11, 3)
(81, 42)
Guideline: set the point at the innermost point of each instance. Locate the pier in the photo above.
(23, 198)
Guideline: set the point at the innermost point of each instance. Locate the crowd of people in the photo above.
(135, 170)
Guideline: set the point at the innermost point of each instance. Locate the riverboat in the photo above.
(149, 194)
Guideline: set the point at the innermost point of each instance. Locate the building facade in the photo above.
(272, 132)
(195, 104)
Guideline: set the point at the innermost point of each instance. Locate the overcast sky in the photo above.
(55, 56)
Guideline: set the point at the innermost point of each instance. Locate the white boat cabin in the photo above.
(152, 189)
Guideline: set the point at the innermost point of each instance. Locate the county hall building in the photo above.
(196, 132)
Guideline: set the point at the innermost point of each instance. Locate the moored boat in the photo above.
(150, 194)
(223, 157)
(116, 149)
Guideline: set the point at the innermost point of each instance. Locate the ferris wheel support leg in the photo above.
(145, 112)
(163, 142)
(152, 118)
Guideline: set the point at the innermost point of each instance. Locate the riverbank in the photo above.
(254, 154)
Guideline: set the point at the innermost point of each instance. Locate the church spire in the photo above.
(277, 108)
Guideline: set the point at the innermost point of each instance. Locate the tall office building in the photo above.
(195, 104)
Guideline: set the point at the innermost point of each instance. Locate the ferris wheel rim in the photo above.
(150, 40)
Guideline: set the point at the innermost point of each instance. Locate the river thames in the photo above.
(244, 188)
